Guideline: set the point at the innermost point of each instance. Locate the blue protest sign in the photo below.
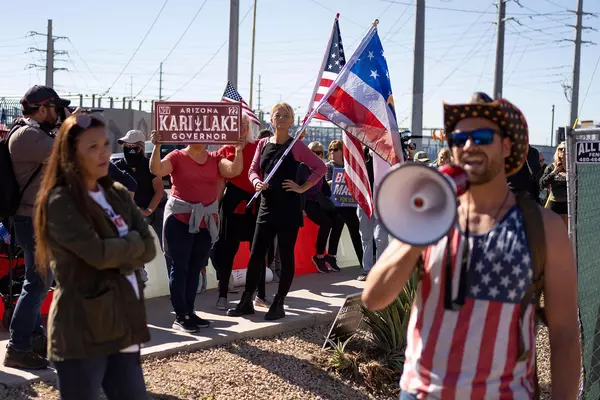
(340, 195)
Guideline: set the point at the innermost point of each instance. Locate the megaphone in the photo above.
(417, 203)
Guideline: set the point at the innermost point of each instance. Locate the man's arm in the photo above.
(560, 302)
(159, 190)
(389, 275)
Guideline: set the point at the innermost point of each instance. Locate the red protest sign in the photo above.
(195, 122)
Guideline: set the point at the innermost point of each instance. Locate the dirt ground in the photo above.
(286, 367)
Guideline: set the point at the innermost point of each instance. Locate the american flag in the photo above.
(232, 95)
(472, 352)
(355, 167)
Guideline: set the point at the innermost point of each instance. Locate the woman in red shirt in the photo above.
(280, 213)
(191, 222)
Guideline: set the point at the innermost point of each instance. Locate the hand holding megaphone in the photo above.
(417, 204)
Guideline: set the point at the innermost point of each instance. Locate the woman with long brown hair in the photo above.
(91, 233)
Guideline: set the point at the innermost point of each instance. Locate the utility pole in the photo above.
(160, 80)
(234, 17)
(50, 53)
(552, 129)
(50, 56)
(252, 60)
(576, 66)
(259, 90)
(131, 88)
(416, 127)
(499, 70)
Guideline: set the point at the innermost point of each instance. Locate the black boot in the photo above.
(245, 306)
(276, 311)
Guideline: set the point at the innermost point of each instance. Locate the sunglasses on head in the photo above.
(480, 137)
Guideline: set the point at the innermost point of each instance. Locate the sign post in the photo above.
(198, 123)
(340, 195)
(347, 320)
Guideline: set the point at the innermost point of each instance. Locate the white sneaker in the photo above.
(222, 304)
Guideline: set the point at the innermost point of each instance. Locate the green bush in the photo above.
(388, 326)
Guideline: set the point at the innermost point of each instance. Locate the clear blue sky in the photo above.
(291, 40)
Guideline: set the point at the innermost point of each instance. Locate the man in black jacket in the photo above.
(526, 181)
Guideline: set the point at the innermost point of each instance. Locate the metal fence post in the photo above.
(572, 186)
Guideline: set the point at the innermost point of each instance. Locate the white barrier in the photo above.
(158, 278)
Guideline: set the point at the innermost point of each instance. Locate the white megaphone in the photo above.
(417, 203)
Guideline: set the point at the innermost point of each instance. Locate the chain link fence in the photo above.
(584, 230)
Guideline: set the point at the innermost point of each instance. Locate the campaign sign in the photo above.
(340, 195)
(194, 122)
(346, 322)
(588, 152)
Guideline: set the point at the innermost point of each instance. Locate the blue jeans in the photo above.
(407, 396)
(26, 318)
(187, 254)
(120, 375)
(371, 228)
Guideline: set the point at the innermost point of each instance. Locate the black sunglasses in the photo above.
(480, 137)
(335, 149)
(318, 152)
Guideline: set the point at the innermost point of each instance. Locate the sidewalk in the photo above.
(314, 299)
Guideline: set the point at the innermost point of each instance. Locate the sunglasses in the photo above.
(479, 137)
(334, 150)
(318, 152)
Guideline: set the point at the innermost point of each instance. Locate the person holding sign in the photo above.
(191, 222)
(347, 215)
(280, 213)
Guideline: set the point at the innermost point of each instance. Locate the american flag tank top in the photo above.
(472, 353)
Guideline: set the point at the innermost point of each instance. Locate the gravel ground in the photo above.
(284, 367)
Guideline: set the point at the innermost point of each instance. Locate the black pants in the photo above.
(348, 216)
(237, 228)
(186, 256)
(120, 375)
(326, 220)
(264, 234)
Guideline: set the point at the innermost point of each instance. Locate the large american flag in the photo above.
(232, 95)
(472, 352)
(355, 167)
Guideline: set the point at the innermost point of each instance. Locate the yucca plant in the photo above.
(342, 361)
(388, 326)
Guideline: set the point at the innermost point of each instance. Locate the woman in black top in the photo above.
(280, 213)
(555, 177)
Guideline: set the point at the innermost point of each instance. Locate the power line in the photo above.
(82, 60)
(210, 59)
(589, 86)
(474, 11)
(136, 50)
(173, 48)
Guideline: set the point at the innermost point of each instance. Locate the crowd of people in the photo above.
(85, 224)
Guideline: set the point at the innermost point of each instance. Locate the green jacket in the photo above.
(94, 309)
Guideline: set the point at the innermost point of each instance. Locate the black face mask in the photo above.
(133, 156)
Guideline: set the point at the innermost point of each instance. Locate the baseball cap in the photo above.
(133, 136)
(421, 156)
(38, 95)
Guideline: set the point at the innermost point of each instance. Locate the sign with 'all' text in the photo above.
(588, 152)
(194, 122)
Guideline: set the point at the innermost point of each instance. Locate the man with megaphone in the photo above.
(472, 327)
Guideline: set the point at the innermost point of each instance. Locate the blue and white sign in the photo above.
(340, 195)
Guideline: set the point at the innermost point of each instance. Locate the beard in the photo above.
(480, 168)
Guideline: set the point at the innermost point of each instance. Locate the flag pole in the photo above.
(311, 115)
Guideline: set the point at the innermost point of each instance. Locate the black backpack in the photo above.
(10, 195)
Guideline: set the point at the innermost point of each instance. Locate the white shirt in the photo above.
(100, 198)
